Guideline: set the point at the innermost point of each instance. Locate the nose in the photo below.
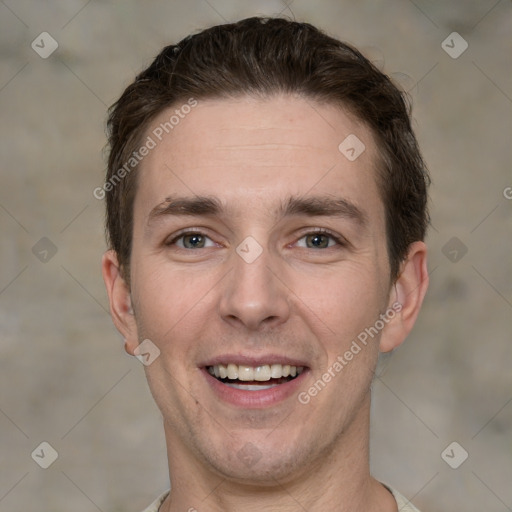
(253, 295)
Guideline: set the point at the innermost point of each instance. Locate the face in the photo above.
(258, 258)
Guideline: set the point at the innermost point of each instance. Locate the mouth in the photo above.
(254, 378)
(256, 386)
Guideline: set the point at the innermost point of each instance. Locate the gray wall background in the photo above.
(65, 378)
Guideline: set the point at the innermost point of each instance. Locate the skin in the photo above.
(295, 299)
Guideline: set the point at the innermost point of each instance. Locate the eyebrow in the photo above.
(311, 206)
(323, 206)
(193, 206)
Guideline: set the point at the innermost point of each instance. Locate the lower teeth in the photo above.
(272, 383)
(250, 387)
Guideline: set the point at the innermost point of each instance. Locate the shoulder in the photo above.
(404, 505)
(156, 504)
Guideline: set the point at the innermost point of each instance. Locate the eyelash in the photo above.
(341, 241)
(181, 234)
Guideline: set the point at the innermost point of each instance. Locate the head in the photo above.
(261, 58)
(266, 204)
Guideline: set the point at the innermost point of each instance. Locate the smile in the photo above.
(254, 386)
(254, 378)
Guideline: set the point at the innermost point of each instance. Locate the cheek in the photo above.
(172, 304)
(162, 300)
(344, 300)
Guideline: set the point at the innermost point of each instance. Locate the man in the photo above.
(266, 210)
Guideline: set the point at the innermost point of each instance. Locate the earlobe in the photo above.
(409, 290)
(120, 300)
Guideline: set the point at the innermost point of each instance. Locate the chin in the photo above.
(258, 465)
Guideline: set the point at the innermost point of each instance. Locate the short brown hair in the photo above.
(262, 57)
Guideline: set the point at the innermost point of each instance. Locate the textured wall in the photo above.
(64, 377)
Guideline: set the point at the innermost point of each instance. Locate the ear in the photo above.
(406, 297)
(120, 301)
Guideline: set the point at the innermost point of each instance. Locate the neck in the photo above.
(338, 479)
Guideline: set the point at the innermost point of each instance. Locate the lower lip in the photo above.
(254, 399)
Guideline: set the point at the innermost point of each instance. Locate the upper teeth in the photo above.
(251, 373)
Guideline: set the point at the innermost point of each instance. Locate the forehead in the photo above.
(251, 152)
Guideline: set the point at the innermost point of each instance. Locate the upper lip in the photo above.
(247, 360)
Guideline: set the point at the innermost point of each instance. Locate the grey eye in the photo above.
(192, 241)
(318, 241)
